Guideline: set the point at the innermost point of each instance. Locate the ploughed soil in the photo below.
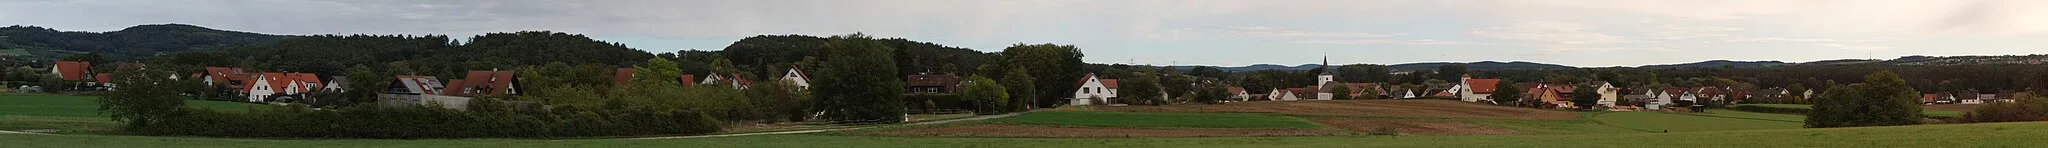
(1014, 130)
(1413, 127)
(1953, 107)
(1365, 108)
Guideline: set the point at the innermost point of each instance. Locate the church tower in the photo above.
(1326, 77)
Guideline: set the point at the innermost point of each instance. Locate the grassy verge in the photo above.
(75, 114)
(1158, 120)
(1952, 135)
(1927, 112)
(1688, 123)
(1753, 115)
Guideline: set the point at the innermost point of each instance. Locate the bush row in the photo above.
(917, 102)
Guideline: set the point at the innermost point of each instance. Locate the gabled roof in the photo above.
(338, 81)
(418, 84)
(740, 81)
(72, 70)
(484, 83)
(799, 72)
(101, 78)
(687, 80)
(276, 81)
(1482, 86)
(304, 78)
(1235, 90)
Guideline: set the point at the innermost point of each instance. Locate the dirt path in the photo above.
(975, 118)
(15, 132)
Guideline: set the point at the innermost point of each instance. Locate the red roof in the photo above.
(72, 70)
(1108, 83)
(453, 90)
(275, 80)
(305, 78)
(483, 82)
(1927, 97)
(102, 78)
(1482, 86)
(1236, 90)
(740, 81)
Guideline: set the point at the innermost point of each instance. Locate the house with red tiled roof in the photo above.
(927, 83)
(1238, 94)
(263, 86)
(621, 78)
(103, 81)
(477, 83)
(75, 71)
(796, 76)
(1094, 90)
(301, 83)
(1475, 90)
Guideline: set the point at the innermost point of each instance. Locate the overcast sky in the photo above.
(1186, 32)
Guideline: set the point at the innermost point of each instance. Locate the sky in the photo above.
(1591, 33)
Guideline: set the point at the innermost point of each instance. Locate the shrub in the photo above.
(2026, 109)
(428, 122)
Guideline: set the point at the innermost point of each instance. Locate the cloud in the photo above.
(1398, 42)
(1264, 31)
(1854, 47)
(1558, 33)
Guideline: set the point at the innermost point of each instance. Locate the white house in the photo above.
(1239, 94)
(1475, 90)
(336, 84)
(797, 77)
(1275, 94)
(1286, 94)
(264, 85)
(1094, 88)
(1325, 82)
(1608, 94)
(711, 79)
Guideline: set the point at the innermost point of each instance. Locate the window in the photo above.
(1084, 90)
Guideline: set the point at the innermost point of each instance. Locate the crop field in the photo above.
(1439, 109)
(74, 114)
(1672, 122)
(1157, 120)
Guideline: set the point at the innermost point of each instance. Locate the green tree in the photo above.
(144, 98)
(1588, 98)
(1450, 71)
(1054, 66)
(363, 86)
(1021, 88)
(1507, 93)
(1144, 89)
(1883, 99)
(988, 96)
(1795, 93)
(1341, 92)
(1213, 93)
(779, 100)
(859, 81)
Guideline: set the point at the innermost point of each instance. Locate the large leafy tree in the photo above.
(1341, 92)
(144, 98)
(1144, 89)
(859, 81)
(1587, 98)
(1507, 93)
(1021, 88)
(988, 96)
(1053, 67)
(1883, 99)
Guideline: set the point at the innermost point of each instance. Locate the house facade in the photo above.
(796, 77)
(1093, 90)
(1475, 90)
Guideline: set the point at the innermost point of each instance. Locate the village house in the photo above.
(409, 90)
(796, 76)
(1475, 90)
(926, 83)
(300, 83)
(1091, 91)
(265, 85)
(476, 83)
(336, 84)
(73, 71)
(1608, 93)
(1237, 94)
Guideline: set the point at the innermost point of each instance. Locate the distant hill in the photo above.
(1483, 65)
(137, 41)
(1719, 64)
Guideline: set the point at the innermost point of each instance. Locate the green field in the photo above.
(1951, 135)
(1930, 113)
(1652, 121)
(1753, 115)
(74, 114)
(1158, 120)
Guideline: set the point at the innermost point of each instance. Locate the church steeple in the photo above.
(1326, 64)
